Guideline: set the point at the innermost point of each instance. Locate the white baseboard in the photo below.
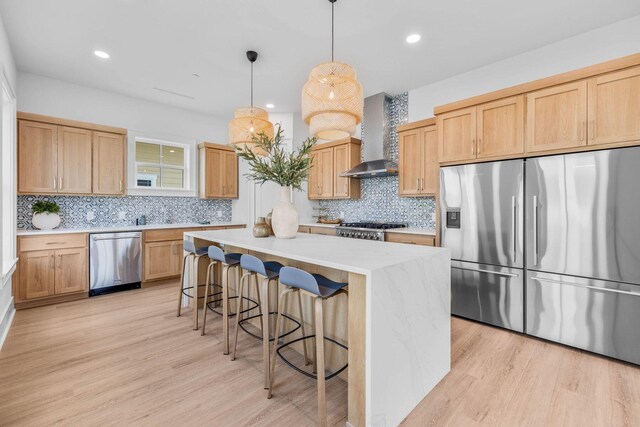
(5, 322)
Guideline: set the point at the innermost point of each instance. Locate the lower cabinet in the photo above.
(162, 259)
(413, 239)
(51, 268)
(325, 231)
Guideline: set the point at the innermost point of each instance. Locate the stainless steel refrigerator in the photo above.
(580, 282)
(482, 225)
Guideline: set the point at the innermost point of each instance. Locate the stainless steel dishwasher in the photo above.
(115, 262)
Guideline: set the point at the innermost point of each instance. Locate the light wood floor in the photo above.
(125, 359)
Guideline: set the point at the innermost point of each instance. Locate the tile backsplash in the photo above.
(379, 200)
(97, 211)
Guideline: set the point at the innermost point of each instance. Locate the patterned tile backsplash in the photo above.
(96, 211)
(379, 200)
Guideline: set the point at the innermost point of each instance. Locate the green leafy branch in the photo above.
(279, 166)
(45, 207)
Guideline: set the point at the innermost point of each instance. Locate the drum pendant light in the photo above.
(249, 121)
(332, 102)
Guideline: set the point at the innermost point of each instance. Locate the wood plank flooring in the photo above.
(125, 359)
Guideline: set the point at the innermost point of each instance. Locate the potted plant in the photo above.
(45, 215)
(288, 170)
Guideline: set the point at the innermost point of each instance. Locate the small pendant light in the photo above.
(332, 102)
(249, 121)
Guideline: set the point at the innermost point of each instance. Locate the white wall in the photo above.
(613, 41)
(6, 300)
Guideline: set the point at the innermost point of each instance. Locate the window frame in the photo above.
(8, 261)
(188, 168)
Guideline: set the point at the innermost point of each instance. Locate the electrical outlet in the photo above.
(219, 214)
(433, 216)
(91, 215)
(122, 215)
(341, 214)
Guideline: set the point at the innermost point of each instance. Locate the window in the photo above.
(161, 165)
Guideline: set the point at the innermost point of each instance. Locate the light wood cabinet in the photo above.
(418, 166)
(58, 156)
(614, 107)
(51, 267)
(412, 239)
(557, 117)
(37, 157)
(109, 163)
(37, 274)
(328, 161)
(218, 171)
(500, 128)
(162, 259)
(457, 135)
(74, 160)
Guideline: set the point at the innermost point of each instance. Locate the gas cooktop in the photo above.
(366, 230)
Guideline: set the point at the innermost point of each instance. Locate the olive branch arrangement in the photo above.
(279, 166)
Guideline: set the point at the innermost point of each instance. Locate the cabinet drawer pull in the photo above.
(55, 243)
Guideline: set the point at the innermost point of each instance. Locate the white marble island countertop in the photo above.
(398, 318)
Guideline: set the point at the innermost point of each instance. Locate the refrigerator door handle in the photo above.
(514, 213)
(478, 270)
(595, 288)
(535, 230)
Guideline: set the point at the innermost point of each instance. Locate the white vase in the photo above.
(285, 220)
(46, 220)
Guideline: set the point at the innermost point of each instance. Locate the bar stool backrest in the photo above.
(216, 254)
(297, 278)
(251, 263)
(189, 246)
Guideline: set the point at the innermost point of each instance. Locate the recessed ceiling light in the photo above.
(413, 38)
(101, 54)
(270, 106)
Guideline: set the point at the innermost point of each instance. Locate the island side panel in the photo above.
(410, 333)
(357, 332)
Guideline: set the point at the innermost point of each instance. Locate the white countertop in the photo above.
(118, 228)
(407, 230)
(352, 255)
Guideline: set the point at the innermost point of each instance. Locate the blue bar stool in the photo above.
(269, 270)
(228, 262)
(193, 254)
(320, 289)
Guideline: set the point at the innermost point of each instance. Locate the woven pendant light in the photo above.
(249, 121)
(332, 101)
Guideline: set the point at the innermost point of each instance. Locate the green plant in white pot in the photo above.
(45, 215)
(287, 169)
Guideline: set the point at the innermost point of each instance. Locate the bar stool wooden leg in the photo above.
(194, 280)
(322, 401)
(282, 300)
(259, 298)
(184, 264)
(304, 342)
(265, 328)
(207, 293)
(239, 314)
(225, 309)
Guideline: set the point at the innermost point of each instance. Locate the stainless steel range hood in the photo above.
(375, 140)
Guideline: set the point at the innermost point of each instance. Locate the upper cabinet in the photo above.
(108, 163)
(218, 171)
(328, 161)
(614, 107)
(418, 159)
(457, 135)
(490, 130)
(557, 117)
(500, 128)
(596, 107)
(58, 156)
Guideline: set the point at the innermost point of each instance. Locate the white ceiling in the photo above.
(160, 43)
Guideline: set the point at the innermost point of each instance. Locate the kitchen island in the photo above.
(398, 313)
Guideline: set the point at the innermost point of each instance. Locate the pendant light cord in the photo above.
(332, 25)
(252, 85)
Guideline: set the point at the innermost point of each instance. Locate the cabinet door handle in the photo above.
(60, 183)
(55, 183)
(418, 184)
(473, 146)
(120, 186)
(421, 184)
(581, 131)
(479, 144)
